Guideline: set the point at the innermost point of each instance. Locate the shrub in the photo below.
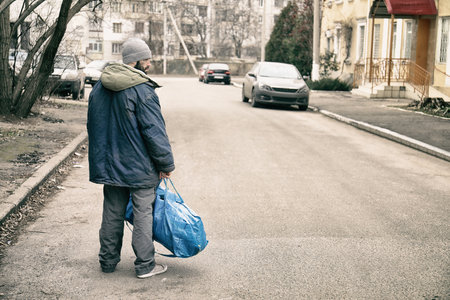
(328, 84)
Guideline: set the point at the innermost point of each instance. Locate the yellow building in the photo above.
(380, 43)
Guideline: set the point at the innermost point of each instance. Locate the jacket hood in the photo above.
(118, 77)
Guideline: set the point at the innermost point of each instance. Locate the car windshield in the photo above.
(97, 64)
(64, 62)
(219, 66)
(279, 71)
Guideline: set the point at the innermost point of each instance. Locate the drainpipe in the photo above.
(390, 50)
(371, 49)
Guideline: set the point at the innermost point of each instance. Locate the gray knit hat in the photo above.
(135, 49)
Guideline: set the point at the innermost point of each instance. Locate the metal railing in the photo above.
(403, 70)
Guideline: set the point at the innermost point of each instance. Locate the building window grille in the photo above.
(116, 7)
(202, 11)
(95, 4)
(279, 3)
(95, 25)
(117, 48)
(95, 46)
(376, 41)
(362, 32)
(408, 39)
(139, 27)
(117, 27)
(444, 40)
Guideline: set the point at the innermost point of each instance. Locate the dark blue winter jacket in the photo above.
(128, 144)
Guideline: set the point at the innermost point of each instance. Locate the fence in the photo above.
(403, 70)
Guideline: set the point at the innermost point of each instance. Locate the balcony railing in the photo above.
(403, 70)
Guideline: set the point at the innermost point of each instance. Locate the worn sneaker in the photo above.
(158, 269)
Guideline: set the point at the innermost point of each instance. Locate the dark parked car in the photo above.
(277, 83)
(201, 72)
(218, 73)
(67, 77)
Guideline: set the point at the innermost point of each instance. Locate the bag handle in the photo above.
(175, 189)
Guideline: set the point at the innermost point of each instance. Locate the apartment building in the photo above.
(208, 28)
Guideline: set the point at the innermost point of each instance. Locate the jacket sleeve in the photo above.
(152, 126)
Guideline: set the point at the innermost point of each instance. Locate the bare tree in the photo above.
(20, 90)
(195, 17)
(239, 23)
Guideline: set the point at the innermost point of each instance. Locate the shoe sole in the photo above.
(152, 273)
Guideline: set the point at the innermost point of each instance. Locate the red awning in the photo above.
(411, 7)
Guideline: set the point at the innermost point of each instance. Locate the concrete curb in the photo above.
(391, 135)
(32, 183)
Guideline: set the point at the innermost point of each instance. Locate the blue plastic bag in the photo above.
(175, 225)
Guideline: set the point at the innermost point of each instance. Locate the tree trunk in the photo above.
(5, 72)
(33, 90)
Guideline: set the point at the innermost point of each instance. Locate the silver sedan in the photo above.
(275, 83)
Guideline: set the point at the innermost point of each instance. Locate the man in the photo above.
(129, 152)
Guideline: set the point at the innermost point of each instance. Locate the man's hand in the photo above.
(164, 175)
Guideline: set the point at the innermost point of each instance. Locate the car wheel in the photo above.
(206, 80)
(76, 91)
(303, 107)
(227, 82)
(254, 102)
(244, 99)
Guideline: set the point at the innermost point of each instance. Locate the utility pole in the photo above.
(263, 33)
(182, 41)
(316, 42)
(164, 39)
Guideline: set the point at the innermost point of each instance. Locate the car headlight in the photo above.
(303, 90)
(265, 87)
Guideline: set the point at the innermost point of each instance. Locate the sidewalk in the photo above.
(384, 118)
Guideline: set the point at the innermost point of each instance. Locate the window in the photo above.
(139, 27)
(261, 3)
(376, 41)
(221, 15)
(116, 7)
(116, 48)
(337, 42)
(95, 25)
(95, 4)
(202, 11)
(155, 7)
(408, 39)
(187, 29)
(279, 3)
(394, 40)
(275, 19)
(117, 27)
(135, 7)
(361, 34)
(443, 48)
(95, 46)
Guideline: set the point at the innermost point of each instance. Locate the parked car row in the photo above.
(215, 72)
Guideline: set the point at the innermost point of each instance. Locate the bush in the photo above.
(328, 84)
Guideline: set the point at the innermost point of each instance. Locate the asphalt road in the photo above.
(295, 205)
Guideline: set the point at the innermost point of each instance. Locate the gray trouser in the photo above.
(111, 231)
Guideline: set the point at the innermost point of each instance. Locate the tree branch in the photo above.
(31, 54)
(25, 14)
(4, 5)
